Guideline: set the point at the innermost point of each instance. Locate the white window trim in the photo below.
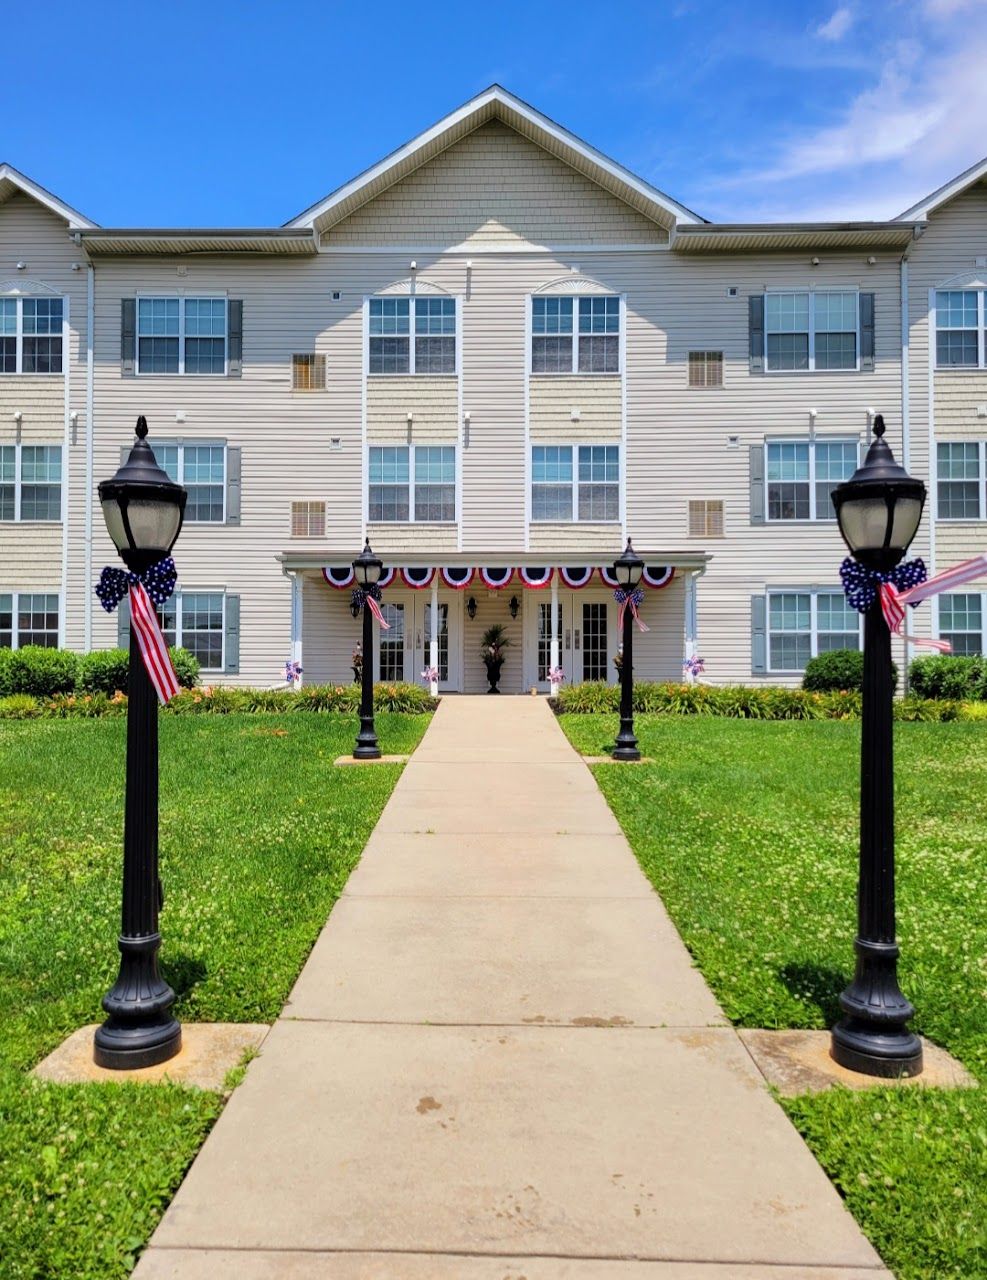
(812, 329)
(813, 593)
(18, 448)
(181, 444)
(814, 518)
(949, 328)
(411, 371)
(19, 343)
(178, 598)
(575, 446)
(983, 616)
(421, 444)
(182, 299)
(575, 335)
(981, 482)
(15, 602)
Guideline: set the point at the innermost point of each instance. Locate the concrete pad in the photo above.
(219, 1264)
(435, 866)
(499, 783)
(209, 1051)
(502, 961)
(455, 811)
(799, 1062)
(653, 1144)
(343, 760)
(611, 760)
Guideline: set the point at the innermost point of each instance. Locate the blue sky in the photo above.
(243, 113)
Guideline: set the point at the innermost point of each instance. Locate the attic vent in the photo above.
(705, 518)
(308, 519)
(308, 372)
(705, 368)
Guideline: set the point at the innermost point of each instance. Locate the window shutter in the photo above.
(757, 483)
(867, 332)
(123, 624)
(232, 635)
(235, 337)
(759, 638)
(756, 331)
(232, 485)
(128, 336)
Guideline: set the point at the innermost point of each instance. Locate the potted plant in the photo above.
(495, 641)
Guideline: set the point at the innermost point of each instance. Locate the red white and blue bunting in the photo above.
(609, 577)
(339, 576)
(417, 578)
(386, 578)
(536, 578)
(457, 576)
(496, 578)
(577, 578)
(657, 576)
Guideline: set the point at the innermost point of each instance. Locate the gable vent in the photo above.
(308, 519)
(705, 368)
(705, 518)
(308, 372)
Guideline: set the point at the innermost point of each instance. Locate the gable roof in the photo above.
(496, 103)
(948, 191)
(13, 182)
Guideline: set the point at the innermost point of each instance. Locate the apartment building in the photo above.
(496, 354)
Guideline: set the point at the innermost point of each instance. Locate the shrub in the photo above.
(186, 667)
(38, 671)
(19, 706)
(948, 676)
(106, 670)
(838, 669)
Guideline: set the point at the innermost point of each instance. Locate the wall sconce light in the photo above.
(515, 606)
(354, 609)
(471, 607)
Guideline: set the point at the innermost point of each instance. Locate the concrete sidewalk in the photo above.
(499, 1064)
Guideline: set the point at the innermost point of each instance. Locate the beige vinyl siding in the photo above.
(30, 556)
(958, 393)
(330, 632)
(399, 541)
(494, 607)
(554, 398)
(495, 186)
(659, 652)
(434, 402)
(575, 538)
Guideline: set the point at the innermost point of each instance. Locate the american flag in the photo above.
(153, 649)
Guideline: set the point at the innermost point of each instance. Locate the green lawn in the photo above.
(258, 835)
(748, 832)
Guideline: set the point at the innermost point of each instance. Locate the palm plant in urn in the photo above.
(495, 641)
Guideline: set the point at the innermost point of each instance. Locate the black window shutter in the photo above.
(232, 635)
(234, 309)
(755, 305)
(759, 637)
(757, 483)
(123, 624)
(232, 485)
(128, 335)
(867, 332)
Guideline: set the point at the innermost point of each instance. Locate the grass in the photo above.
(258, 834)
(748, 831)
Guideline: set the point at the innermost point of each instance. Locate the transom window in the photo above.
(201, 468)
(31, 335)
(30, 482)
(588, 491)
(181, 335)
(28, 618)
(805, 331)
(801, 475)
(803, 624)
(195, 620)
(393, 322)
(575, 335)
(960, 470)
(961, 621)
(393, 498)
(960, 328)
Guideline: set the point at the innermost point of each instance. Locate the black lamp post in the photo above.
(367, 568)
(627, 570)
(143, 510)
(878, 509)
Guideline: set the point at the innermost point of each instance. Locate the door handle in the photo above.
(418, 640)
(577, 639)
(568, 639)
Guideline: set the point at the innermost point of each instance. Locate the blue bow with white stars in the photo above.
(862, 585)
(158, 581)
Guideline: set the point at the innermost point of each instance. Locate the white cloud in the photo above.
(947, 8)
(836, 27)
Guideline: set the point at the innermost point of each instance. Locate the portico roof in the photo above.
(297, 559)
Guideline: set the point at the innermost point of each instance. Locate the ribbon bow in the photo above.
(862, 585)
(369, 596)
(633, 598)
(906, 584)
(152, 587)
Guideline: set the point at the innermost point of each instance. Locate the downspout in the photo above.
(66, 467)
(906, 431)
(88, 530)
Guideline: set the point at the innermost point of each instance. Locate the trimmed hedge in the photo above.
(949, 676)
(838, 669)
(107, 670)
(45, 673)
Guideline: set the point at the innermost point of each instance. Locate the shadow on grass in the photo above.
(182, 973)
(818, 986)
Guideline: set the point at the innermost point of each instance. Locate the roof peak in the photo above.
(11, 179)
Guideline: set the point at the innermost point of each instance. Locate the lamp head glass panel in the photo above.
(142, 506)
(628, 568)
(367, 567)
(879, 507)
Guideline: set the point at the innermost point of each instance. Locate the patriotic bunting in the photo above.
(457, 576)
(608, 576)
(386, 578)
(657, 576)
(575, 578)
(339, 576)
(417, 578)
(536, 578)
(496, 578)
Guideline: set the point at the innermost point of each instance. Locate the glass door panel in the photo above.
(392, 643)
(595, 642)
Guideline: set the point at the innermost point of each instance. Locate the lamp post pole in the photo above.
(627, 570)
(366, 740)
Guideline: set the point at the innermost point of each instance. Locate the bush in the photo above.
(186, 667)
(949, 676)
(20, 706)
(38, 671)
(838, 669)
(105, 670)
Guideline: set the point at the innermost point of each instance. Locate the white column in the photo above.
(297, 587)
(433, 644)
(553, 651)
(691, 623)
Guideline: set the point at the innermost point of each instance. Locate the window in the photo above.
(596, 348)
(391, 321)
(195, 620)
(705, 518)
(705, 368)
(31, 335)
(393, 497)
(960, 328)
(30, 482)
(801, 475)
(961, 622)
(590, 492)
(803, 624)
(804, 331)
(28, 618)
(308, 372)
(308, 519)
(201, 468)
(960, 483)
(181, 335)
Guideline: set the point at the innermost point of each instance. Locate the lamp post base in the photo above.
(623, 752)
(888, 1054)
(123, 1048)
(140, 1031)
(364, 751)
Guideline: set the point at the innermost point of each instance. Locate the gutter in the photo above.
(90, 448)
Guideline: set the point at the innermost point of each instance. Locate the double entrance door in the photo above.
(405, 648)
(587, 636)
